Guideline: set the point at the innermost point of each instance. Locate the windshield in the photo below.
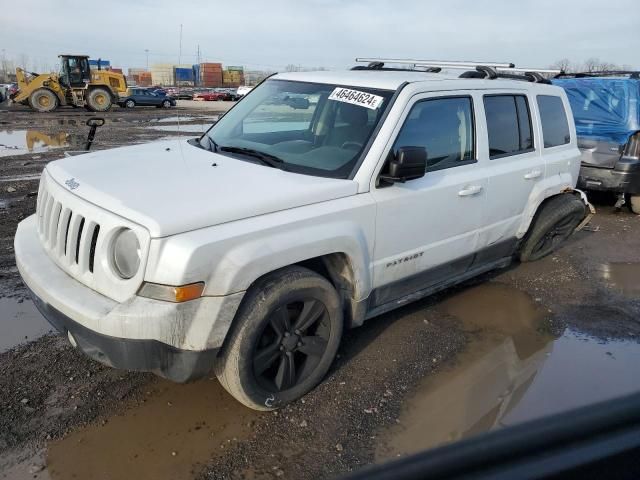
(317, 129)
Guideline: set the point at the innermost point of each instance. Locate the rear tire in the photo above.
(43, 100)
(284, 339)
(634, 204)
(553, 224)
(99, 99)
(166, 104)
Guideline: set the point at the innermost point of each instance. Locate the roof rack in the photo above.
(604, 73)
(486, 70)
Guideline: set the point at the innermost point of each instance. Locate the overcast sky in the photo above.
(269, 34)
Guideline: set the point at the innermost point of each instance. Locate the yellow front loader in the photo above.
(76, 85)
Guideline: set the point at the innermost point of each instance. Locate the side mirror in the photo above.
(410, 163)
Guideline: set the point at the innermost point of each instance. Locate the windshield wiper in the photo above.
(266, 158)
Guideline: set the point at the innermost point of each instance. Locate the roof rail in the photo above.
(554, 71)
(604, 73)
(435, 63)
(482, 71)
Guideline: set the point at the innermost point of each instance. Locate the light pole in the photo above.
(146, 50)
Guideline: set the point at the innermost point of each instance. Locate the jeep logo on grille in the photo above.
(72, 184)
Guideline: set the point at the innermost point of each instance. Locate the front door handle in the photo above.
(470, 190)
(532, 174)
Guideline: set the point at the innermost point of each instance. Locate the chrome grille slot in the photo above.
(63, 231)
(78, 239)
(92, 249)
(53, 224)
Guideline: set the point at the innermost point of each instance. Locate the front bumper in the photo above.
(608, 179)
(178, 341)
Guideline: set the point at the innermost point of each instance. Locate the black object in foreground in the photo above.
(595, 442)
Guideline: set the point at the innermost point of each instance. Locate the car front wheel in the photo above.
(284, 339)
(129, 104)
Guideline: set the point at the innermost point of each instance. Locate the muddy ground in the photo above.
(515, 344)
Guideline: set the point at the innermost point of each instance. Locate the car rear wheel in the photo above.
(634, 204)
(166, 104)
(553, 224)
(284, 339)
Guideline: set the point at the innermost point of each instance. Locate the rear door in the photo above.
(516, 166)
(427, 229)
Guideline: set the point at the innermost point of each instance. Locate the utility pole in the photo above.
(180, 51)
(146, 50)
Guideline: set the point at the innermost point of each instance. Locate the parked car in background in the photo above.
(243, 90)
(183, 95)
(143, 97)
(209, 96)
(12, 89)
(606, 109)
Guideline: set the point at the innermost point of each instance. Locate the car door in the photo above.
(427, 228)
(511, 149)
(138, 97)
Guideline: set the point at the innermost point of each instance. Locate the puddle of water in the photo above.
(176, 119)
(623, 276)
(172, 435)
(20, 322)
(510, 372)
(20, 142)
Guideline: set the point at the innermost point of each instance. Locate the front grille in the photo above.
(77, 235)
(68, 236)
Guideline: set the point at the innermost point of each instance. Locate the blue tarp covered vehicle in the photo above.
(606, 110)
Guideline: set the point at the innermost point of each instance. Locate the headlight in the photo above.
(126, 253)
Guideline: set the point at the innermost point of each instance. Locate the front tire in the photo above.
(284, 339)
(99, 100)
(129, 103)
(553, 224)
(43, 100)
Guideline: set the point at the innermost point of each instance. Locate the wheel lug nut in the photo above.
(282, 348)
(297, 332)
(286, 334)
(299, 344)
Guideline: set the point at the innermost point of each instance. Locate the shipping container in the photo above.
(183, 74)
(136, 71)
(162, 74)
(116, 70)
(235, 69)
(144, 79)
(104, 64)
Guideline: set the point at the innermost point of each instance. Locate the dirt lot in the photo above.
(516, 344)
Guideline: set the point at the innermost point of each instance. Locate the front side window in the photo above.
(555, 128)
(311, 128)
(508, 125)
(444, 127)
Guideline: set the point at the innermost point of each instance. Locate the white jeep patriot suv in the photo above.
(320, 200)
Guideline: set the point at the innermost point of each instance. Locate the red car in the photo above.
(209, 96)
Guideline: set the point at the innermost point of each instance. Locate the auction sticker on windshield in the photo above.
(355, 97)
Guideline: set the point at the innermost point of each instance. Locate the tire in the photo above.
(129, 103)
(43, 100)
(552, 225)
(295, 359)
(166, 104)
(99, 99)
(634, 204)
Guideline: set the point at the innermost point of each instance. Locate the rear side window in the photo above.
(444, 127)
(508, 124)
(555, 128)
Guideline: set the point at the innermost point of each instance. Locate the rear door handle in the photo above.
(470, 190)
(532, 174)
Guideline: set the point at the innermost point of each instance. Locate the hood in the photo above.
(172, 187)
